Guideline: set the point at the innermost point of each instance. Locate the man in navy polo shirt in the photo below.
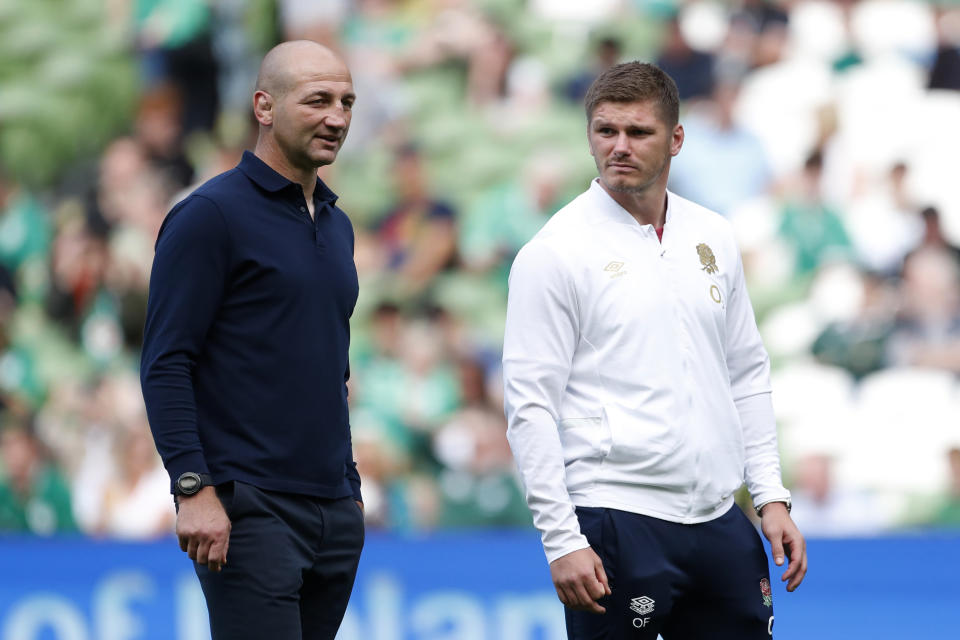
(244, 365)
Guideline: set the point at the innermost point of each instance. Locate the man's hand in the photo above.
(580, 580)
(203, 528)
(778, 527)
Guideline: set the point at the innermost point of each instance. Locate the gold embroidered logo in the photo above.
(707, 259)
(614, 269)
(715, 294)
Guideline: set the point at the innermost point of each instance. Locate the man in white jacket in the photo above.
(638, 394)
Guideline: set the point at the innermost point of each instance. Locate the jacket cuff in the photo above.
(767, 497)
(558, 548)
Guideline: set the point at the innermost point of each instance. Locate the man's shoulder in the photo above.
(694, 209)
(704, 219)
(556, 246)
(218, 195)
(201, 211)
(229, 184)
(567, 225)
(213, 193)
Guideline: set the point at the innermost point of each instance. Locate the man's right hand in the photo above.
(203, 528)
(580, 580)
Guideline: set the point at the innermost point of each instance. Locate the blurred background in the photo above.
(826, 131)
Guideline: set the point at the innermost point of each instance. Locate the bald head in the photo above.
(291, 62)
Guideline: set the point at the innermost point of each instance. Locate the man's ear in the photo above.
(677, 142)
(263, 107)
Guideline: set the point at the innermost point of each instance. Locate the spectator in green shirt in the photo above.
(810, 226)
(34, 497)
(24, 225)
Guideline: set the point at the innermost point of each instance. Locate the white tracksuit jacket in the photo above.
(634, 374)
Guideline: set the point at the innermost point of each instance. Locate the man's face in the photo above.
(311, 118)
(631, 145)
(18, 454)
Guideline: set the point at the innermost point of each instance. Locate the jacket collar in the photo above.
(609, 210)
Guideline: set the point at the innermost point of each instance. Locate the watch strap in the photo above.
(785, 501)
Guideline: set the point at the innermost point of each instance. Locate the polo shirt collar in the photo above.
(609, 210)
(269, 180)
(324, 194)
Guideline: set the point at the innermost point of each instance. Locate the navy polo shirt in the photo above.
(244, 361)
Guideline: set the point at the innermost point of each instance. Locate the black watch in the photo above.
(190, 483)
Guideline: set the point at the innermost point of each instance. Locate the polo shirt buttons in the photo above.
(303, 209)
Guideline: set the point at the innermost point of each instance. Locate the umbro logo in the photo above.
(614, 268)
(642, 605)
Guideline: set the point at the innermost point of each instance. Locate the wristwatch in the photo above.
(190, 483)
(785, 501)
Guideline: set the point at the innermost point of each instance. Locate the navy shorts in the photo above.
(706, 581)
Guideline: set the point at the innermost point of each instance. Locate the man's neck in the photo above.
(647, 207)
(306, 177)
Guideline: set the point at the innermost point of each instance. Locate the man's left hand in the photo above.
(784, 537)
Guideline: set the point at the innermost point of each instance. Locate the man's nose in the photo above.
(336, 119)
(621, 147)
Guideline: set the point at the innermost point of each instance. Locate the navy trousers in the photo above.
(707, 581)
(290, 567)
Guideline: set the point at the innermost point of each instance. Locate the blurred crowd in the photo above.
(826, 131)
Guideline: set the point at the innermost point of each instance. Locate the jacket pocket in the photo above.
(584, 439)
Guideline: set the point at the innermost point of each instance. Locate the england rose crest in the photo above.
(707, 259)
(766, 592)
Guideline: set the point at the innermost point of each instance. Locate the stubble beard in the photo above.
(318, 157)
(299, 152)
(626, 188)
(647, 180)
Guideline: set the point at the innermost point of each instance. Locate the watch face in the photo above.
(189, 483)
